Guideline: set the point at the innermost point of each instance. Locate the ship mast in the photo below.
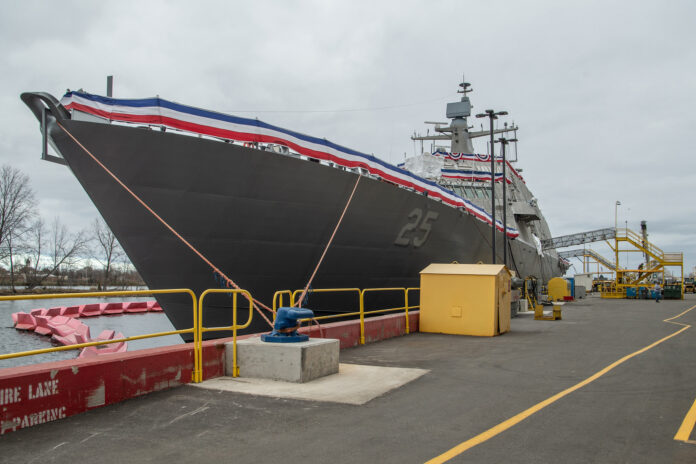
(458, 131)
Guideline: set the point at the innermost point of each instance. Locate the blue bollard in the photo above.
(286, 325)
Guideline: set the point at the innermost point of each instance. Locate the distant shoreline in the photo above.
(57, 290)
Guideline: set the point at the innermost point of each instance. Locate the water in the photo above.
(74, 287)
(13, 340)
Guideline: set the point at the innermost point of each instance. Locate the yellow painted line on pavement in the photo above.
(687, 426)
(503, 426)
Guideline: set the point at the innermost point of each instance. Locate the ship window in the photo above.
(470, 192)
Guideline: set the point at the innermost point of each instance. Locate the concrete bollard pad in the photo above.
(292, 362)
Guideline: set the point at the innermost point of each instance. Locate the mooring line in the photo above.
(503, 426)
(328, 244)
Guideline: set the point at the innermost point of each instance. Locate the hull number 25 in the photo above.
(421, 223)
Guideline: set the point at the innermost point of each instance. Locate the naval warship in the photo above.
(260, 202)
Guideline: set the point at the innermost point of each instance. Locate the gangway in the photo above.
(588, 253)
(578, 239)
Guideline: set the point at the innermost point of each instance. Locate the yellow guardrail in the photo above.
(197, 311)
(196, 375)
(277, 297)
(278, 300)
(234, 327)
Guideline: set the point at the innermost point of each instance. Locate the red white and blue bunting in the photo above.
(161, 112)
(479, 158)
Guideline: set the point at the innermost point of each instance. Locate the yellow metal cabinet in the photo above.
(558, 288)
(465, 299)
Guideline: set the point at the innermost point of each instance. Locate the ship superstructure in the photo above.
(468, 173)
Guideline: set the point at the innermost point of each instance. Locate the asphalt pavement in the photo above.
(482, 400)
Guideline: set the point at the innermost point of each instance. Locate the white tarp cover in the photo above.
(425, 165)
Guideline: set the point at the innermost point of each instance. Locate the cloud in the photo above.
(602, 91)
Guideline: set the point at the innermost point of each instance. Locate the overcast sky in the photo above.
(603, 91)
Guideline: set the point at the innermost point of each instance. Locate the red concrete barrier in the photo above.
(376, 329)
(38, 312)
(32, 395)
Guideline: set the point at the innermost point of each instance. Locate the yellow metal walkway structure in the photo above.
(658, 260)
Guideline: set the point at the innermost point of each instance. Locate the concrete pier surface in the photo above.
(626, 379)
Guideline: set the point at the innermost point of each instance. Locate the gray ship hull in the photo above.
(263, 219)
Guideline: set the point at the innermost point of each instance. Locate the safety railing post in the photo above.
(200, 337)
(235, 368)
(406, 307)
(362, 317)
(197, 375)
(235, 327)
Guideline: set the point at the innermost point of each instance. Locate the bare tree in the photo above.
(36, 237)
(64, 249)
(17, 205)
(107, 248)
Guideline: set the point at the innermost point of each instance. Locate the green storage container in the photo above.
(672, 292)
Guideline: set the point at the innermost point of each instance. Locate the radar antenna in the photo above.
(464, 87)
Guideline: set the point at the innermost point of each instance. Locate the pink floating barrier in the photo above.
(14, 318)
(88, 352)
(65, 340)
(82, 337)
(82, 330)
(42, 327)
(135, 307)
(113, 308)
(115, 347)
(38, 312)
(55, 311)
(153, 306)
(25, 322)
(61, 330)
(105, 335)
(71, 311)
(92, 351)
(57, 320)
(121, 347)
(91, 310)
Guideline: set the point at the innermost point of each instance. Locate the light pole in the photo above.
(503, 143)
(619, 275)
(616, 214)
(491, 115)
